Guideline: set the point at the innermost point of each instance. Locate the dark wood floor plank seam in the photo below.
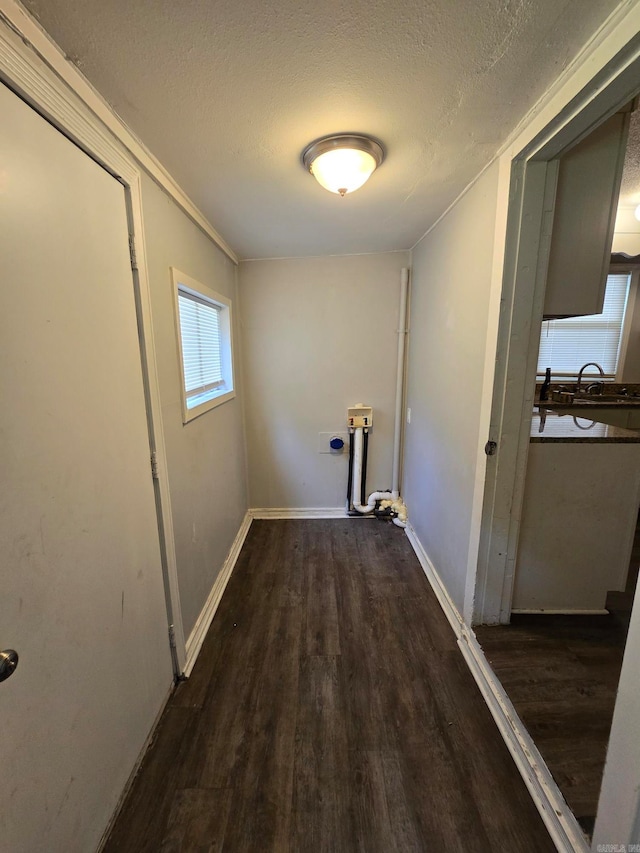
(330, 710)
(561, 673)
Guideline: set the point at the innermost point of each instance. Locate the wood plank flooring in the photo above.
(330, 710)
(562, 673)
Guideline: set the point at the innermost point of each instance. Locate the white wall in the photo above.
(450, 296)
(626, 237)
(318, 335)
(618, 821)
(206, 459)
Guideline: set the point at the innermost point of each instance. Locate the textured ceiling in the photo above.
(226, 94)
(630, 189)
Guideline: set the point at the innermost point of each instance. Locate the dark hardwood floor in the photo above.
(561, 674)
(330, 710)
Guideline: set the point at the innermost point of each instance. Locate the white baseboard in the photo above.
(561, 824)
(301, 512)
(556, 814)
(446, 602)
(529, 612)
(203, 623)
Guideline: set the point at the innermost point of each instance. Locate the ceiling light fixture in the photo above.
(343, 162)
(636, 212)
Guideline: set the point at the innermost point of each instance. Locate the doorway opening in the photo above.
(579, 646)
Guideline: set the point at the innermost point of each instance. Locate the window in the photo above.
(565, 345)
(203, 323)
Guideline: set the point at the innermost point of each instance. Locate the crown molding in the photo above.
(24, 48)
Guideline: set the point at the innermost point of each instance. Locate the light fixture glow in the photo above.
(344, 162)
(636, 213)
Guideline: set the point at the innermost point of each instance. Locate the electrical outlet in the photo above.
(408, 415)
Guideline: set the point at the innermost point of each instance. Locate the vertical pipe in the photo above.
(402, 335)
(357, 468)
(363, 479)
(350, 479)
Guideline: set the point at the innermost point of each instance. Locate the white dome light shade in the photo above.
(342, 163)
(343, 170)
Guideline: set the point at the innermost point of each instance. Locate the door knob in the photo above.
(8, 663)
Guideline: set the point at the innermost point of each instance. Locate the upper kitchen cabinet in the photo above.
(589, 177)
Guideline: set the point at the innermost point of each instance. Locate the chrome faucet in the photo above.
(588, 364)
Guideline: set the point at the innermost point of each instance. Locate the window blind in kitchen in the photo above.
(565, 345)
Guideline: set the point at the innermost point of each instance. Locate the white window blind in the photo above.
(565, 345)
(201, 346)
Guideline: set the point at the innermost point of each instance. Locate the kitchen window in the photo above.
(565, 345)
(203, 324)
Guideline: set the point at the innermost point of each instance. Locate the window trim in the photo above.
(628, 315)
(226, 390)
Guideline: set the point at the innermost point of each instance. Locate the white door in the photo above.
(81, 596)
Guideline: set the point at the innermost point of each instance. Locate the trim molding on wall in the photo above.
(567, 612)
(446, 602)
(299, 512)
(558, 818)
(203, 623)
(102, 115)
(561, 824)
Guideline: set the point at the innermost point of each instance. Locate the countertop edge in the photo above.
(557, 430)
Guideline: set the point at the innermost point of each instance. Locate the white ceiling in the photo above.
(630, 189)
(226, 93)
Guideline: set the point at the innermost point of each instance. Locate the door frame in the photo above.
(604, 85)
(27, 68)
(533, 172)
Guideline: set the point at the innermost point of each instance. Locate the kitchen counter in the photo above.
(614, 393)
(618, 406)
(552, 426)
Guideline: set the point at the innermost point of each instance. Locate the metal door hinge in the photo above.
(490, 448)
(178, 675)
(132, 252)
(154, 465)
